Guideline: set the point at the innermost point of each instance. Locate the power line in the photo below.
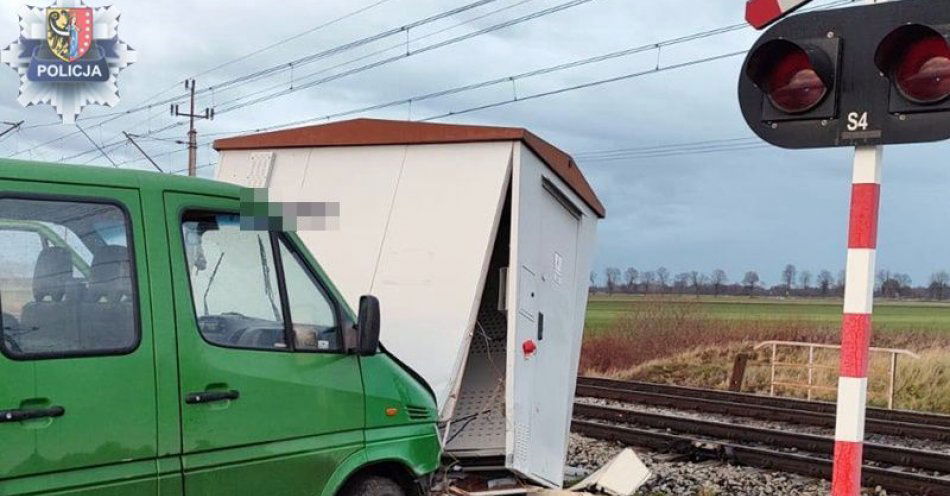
(275, 69)
(400, 45)
(590, 84)
(410, 53)
(516, 77)
(295, 37)
(143, 106)
(642, 149)
(532, 16)
(103, 152)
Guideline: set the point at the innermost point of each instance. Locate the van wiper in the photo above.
(214, 273)
(268, 289)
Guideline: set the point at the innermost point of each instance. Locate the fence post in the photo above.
(890, 387)
(772, 385)
(811, 364)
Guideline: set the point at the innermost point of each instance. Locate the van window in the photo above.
(233, 282)
(314, 319)
(64, 290)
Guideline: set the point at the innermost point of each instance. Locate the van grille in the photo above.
(417, 412)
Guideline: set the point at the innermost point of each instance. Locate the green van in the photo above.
(150, 345)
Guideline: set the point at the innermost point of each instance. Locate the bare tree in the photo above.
(718, 278)
(696, 280)
(680, 282)
(750, 281)
(788, 277)
(630, 277)
(938, 284)
(881, 278)
(825, 280)
(804, 278)
(647, 278)
(840, 281)
(904, 284)
(663, 278)
(613, 279)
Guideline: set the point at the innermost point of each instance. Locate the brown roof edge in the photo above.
(376, 132)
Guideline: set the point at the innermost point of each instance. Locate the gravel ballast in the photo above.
(675, 478)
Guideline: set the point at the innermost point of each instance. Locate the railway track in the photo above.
(754, 399)
(920, 426)
(899, 469)
(797, 463)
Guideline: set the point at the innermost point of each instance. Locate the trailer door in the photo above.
(542, 382)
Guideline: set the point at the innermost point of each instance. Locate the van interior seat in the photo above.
(106, 315)
(50, 321)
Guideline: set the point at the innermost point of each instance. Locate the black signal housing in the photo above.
(863, 75)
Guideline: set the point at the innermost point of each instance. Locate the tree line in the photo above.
(792, 282)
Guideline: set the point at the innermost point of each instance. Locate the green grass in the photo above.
(603, 310)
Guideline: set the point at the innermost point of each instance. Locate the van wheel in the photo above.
(373, 486)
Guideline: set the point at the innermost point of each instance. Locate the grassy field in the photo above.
(694, 341)
(603, 311)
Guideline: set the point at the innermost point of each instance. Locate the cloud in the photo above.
(742, 210)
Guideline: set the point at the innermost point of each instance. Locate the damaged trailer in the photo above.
(478, 242)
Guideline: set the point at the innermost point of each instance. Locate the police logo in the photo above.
(69, 32)
(68, 56)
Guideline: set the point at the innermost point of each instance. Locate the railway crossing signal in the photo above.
(865, 77)
(868, 75)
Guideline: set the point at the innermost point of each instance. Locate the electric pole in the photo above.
(192, 133)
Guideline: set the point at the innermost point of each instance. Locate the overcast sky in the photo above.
(755, 208)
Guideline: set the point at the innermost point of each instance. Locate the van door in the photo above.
(77, 400)
(270, 402)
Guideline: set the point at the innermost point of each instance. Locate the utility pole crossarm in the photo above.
(192, 133)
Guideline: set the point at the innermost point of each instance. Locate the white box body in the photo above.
(472, 247)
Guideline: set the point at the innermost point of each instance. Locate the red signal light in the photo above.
(923, 73)
(793, 85)
(794, 76)
(916, 58)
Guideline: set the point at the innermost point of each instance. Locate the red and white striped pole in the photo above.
(856, 324)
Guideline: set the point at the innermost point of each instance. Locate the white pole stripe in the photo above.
(859, 284)
(852, 398)
(867, 169)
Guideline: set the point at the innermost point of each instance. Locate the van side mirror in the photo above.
(367, 326)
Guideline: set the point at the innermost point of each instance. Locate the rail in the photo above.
(811, 366)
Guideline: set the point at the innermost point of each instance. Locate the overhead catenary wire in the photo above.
(496, 27)
(410, 53)
(497, 81)
(372, 54)
(528, 74)
(245, 79)
(144, 105)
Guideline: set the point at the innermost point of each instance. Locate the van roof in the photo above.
(107, 176)
(370, 132)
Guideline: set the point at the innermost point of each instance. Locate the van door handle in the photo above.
(211, 396)
(21, 415)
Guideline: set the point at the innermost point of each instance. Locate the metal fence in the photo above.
(811, 366)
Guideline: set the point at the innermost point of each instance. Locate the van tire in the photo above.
(373, 486)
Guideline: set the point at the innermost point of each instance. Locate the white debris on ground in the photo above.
(684, 478)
